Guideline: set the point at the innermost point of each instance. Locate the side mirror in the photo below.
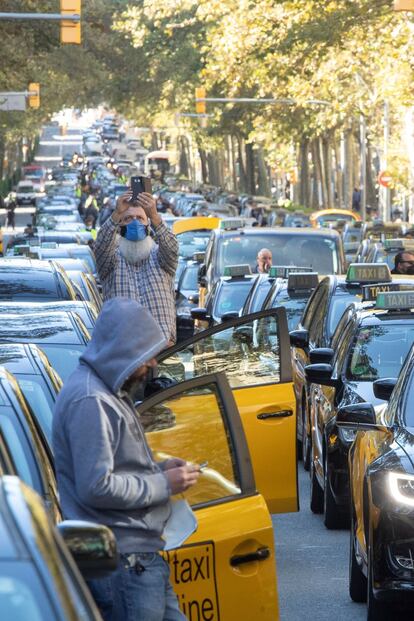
(93, 547)
(321, 374)
(321, 355)
(200, 314)
(383, 388)
(299, 338)
(229, 316)
(194, 298)
(357, 415)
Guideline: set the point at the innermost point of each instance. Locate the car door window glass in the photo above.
(36, 395)
(20, 452)
(318, 313)
(309, 321)
(248, 353)
(22, 595)
(192, 426)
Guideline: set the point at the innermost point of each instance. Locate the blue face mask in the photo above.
(135, 231)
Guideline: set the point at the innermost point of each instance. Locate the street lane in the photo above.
(312, 566)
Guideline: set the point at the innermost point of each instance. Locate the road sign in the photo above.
(385, 179)
(9, 102)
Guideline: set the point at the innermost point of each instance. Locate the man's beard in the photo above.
(135, 251)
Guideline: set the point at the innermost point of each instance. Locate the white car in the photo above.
(25, 193)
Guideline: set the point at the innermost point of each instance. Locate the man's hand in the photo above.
(122, 205)
(173, 462)
(149, 205)
(183, 477)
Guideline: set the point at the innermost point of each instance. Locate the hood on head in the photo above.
(125, 336)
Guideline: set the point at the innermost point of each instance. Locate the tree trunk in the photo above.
(250, 169)
(204, 165)
(183, 162)
(327, 168)
(338, 176)
(304, 174)
(372, 200)
(348, 169)
(242, 167)
(263, 179)
(317, 155)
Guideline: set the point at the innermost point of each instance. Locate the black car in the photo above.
(87, 287)
(86, 310)
(381, 474)
(61, 335)
(32, 280)
(317, 326)
(370, 343)
(257, 294)
(39, 579)
(385, 252)
(37, 380)
(227, 296)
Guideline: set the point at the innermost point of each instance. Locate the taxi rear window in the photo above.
(231, 297)
(319, 252)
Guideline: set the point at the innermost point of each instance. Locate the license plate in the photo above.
(193, 576)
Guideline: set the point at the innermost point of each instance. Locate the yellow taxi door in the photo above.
(226, 570)
(254, 351)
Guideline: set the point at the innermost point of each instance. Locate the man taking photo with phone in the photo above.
(133, 264)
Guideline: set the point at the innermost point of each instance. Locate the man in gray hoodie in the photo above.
(105, 469)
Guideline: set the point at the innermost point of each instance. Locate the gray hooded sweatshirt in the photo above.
(105, 469)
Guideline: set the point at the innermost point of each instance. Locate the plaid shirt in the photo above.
(151, 282)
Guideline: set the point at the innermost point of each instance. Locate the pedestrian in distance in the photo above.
(91, 207)
(264, 261)
(11, 216)
(131, 263)
(105, 469)
(403, 261)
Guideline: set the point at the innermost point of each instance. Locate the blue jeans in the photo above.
(137, 593)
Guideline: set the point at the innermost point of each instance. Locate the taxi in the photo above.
(292, 290)
(196, 223)
(330, 217)
(316, 328)
(245, 427)
(381, 474)
(370, 343)
(226, 297)
(386, 251)
(234, 244)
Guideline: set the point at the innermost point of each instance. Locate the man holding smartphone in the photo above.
(133, 264)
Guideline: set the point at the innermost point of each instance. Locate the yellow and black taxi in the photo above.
(371, 343)
(381, 473)
(226, 297)
(231, 244)
(386, 251)
(311, 340)
(243, 423)
(292, 290)
(331, 217)
(40, 563)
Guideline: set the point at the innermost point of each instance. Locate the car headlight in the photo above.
(402, 487)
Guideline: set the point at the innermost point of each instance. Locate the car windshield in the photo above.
(190, 279)
(63, 358)
(231, 297)
(379, 351)
(338, 305)
(294, 306)
(40, 400)
(28, 284)
(352, 235)
(191, 242)
(317, 251)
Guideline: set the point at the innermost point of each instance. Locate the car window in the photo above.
(22, 594)
(230, 298)
(28, 284)
(64, 359)
(294, 306)
(191, 242)
(248, 353)
(38, 397)
(316, 312)
(337, 308)
(314, 302)
(379, 351)
(20, 450)
(170, 429)
(190, 279)
(259, 296)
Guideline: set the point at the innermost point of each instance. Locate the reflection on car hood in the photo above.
(364, 390)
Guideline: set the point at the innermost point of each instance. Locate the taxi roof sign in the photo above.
(283, 271)
(231, 224)
(368, 273)
(398, 300)
(237, 271)
(303, 281)
(370, 292)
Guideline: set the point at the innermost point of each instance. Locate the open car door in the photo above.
(254, 351)
(226, 570)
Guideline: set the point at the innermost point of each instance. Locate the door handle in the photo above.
(280, 414)
(261, 554)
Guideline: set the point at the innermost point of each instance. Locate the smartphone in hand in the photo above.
(140, 185)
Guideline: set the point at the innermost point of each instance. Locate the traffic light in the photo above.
(403, 5)
(200, 93)
(34, 100)
(70, 32)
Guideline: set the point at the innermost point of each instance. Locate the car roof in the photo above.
(280, 231)
(23, 264)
